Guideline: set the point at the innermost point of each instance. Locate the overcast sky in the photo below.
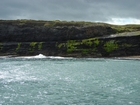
(111, 11)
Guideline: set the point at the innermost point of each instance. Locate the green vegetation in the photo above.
(84, 51)
(87, 42)
(110, 46)
(126, 45)
(18, 46)
(125, 28)
(96, 41)
(67, 23)
(95, 36)
(90, 41)
(71, 45)
(32, 46)
(61, 45)
(54, 23)
(134, 33)
(84, 46)
(49, 23)
(40, 45)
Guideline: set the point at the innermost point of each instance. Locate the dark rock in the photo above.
(32, 38)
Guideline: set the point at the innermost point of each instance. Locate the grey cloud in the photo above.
(86, 10)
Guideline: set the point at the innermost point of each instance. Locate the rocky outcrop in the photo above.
(72, 39)
(38, 33)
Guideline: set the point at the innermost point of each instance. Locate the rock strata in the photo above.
(76, 39)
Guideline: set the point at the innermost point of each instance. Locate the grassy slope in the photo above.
(118, 28)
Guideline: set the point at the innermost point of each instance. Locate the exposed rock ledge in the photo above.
(77, 39)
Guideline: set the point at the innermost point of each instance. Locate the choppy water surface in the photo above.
(51, 81)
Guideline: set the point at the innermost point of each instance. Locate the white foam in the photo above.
(40, 56)
(30, 57)
(55, 57)
(43, 56)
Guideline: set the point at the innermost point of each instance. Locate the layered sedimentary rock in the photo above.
(76, 39)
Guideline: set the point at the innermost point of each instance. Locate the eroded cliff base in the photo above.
(61, 38)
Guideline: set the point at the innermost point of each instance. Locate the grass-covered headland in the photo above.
(68, 38)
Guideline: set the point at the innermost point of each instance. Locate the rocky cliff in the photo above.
(61, 38)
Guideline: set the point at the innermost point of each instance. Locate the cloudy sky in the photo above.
(111, 11)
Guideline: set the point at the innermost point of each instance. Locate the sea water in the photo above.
(69, 81)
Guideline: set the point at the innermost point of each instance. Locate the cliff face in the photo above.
(27, 32)
(67, 39)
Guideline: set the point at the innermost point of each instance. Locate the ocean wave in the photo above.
(40, 56)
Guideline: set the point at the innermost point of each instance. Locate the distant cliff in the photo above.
(61, 38)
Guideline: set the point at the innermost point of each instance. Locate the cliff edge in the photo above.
(62, 38)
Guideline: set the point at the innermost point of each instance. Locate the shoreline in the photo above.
(69, 39)
(62, 57)
(130, 57)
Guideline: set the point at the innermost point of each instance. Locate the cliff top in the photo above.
(68, 38)
(57, 23)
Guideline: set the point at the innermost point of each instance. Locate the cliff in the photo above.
(61, 38)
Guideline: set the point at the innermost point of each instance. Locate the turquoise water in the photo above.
(69, 81)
